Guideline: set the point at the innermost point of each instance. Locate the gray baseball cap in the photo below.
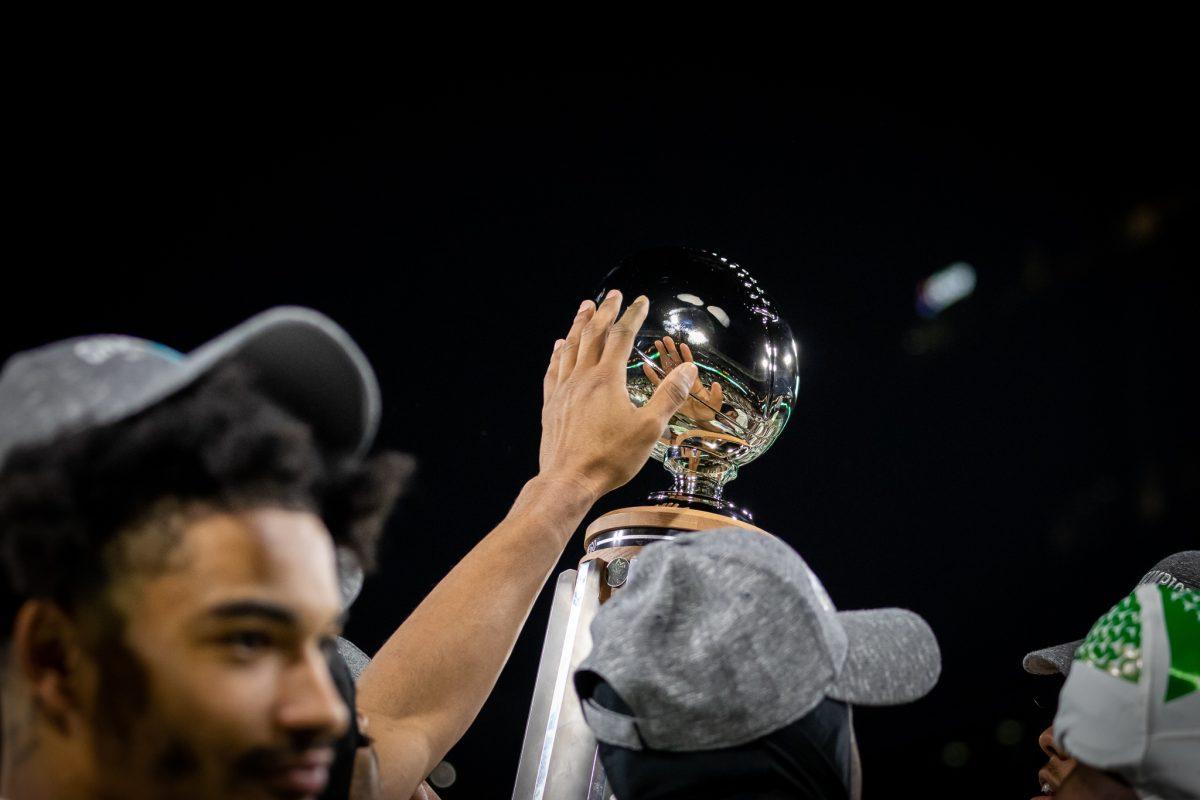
(1178, 570)
(300, 357)
(723, 636)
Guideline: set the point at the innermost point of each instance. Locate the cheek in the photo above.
(1089, 784)
(200, 716)
(222, 706)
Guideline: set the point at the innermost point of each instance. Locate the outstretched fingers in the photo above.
(623, 333)
(595, 333)
(569, 352)
(672, 352)
(664, 360)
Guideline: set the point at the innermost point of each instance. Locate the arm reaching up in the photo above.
(427, 683)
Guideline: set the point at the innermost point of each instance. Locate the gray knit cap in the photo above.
(301, 358)
(723, 636)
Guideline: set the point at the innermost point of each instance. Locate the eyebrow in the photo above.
(263, 610)
(253, 608)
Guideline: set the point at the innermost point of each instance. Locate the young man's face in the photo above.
(226, 665)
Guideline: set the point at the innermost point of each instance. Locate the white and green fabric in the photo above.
(1131, 703)
(1177, 571)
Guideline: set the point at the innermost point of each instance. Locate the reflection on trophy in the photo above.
(706, 309)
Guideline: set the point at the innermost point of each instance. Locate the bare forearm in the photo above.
(428, 682)
(438, 668)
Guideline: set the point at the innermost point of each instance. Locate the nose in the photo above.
(310, 701)
(1049, 746)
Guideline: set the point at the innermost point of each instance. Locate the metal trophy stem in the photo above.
(699, 464)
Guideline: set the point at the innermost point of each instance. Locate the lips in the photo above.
(303, 776)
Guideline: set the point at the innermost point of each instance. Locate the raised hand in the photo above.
(670, 358)
(592, 433)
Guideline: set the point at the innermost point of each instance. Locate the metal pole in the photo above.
(559, 750)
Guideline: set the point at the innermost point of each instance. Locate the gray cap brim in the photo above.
(355, 658)
(1054, 660)
(892, 657)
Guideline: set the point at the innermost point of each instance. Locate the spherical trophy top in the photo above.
(708, 309)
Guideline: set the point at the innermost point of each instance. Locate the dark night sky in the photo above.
(1008, 470)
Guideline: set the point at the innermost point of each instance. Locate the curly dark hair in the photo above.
(221, 443)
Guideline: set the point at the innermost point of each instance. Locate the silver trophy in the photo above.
(710, 310)
(707, 309)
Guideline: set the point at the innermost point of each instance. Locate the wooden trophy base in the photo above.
(671, 518)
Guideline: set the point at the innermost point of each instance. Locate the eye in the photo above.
(246, 644)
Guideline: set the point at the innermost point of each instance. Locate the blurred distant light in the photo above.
(956, 754)
(1143, 224)
(443, 776)
(1009, 732)
(945, 288)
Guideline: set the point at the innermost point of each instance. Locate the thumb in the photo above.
(672, 393)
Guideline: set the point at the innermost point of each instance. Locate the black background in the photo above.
(1008, 470)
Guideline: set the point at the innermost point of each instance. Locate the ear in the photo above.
(47, 654)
